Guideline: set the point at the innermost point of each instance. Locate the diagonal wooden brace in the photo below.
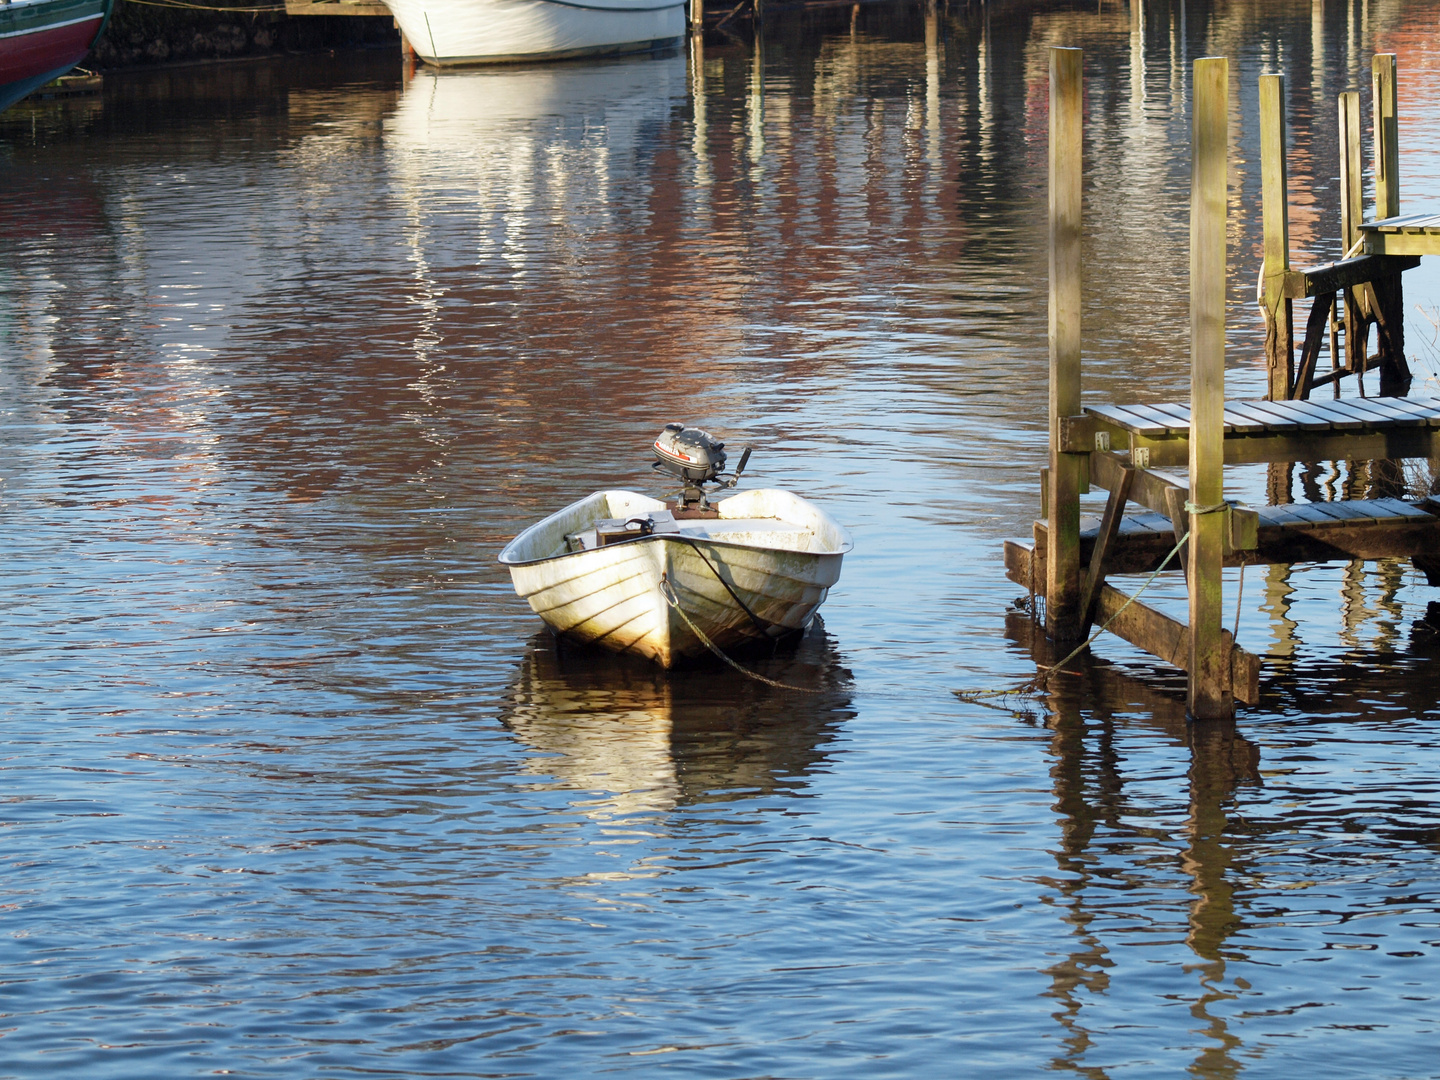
(1109, 528)
(1314, 338)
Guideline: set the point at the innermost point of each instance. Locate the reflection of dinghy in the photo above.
(635, 574)
(506, 31)
(650, 741)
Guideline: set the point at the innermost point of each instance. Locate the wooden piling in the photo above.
(1387, 136)
(1279, 309)
(1387, 295)
(697, 15)
(1062, 588)
(1352, 212)
(1209, 695)
(1351, 179)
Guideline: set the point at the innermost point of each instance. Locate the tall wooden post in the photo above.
(1274, 192)
(1387, 136)
(1352, 212)
(1062, 596)
(1388, 309)
(1351, 179)
(1209, 690)
(697, 15)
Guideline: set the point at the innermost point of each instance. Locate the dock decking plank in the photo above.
(1263, 421)
(1298, 532)
(1288, 415)
(1240, 422)
(1121, 416)
(1176, 418)
(1174, 409)
(1428, 410)
(1402, 223)
(1358, 408)
(1339, 419)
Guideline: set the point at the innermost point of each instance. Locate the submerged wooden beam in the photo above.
(1238, 671)
(1153, 631)
(1062, 605)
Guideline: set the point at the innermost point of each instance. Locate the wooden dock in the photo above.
(1168, 459)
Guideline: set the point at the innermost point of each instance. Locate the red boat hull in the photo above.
(41, 41)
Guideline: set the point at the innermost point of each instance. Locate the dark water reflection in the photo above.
(290, 786)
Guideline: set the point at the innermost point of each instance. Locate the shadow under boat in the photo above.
(642, 739)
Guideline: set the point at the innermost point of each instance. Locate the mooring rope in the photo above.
(1035, 685)
(755, 620)
(667, 590)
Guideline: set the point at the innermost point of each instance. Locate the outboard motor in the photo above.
(697, 458)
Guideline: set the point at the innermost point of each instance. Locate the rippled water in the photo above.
(294, 786)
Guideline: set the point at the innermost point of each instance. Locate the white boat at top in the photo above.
(447, 32)
(669, 580)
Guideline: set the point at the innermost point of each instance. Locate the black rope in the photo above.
(760, 625)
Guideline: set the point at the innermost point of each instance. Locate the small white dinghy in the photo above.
(635, 574)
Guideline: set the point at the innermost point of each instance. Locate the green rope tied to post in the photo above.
(1210, 508)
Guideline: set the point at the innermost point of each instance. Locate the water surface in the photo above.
(294, 785)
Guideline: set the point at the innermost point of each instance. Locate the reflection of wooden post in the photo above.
(1062, 596)
(1279, 310)
(1209, 693)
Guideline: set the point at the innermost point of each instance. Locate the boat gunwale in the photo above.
(586, 52)
(673, 538)
(846, 546)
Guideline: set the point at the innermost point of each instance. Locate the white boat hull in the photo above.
(447, 32)
(612, 596)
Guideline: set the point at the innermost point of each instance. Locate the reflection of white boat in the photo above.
(639, 740)
(754, 571)
(502, 149)
(506, 31)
